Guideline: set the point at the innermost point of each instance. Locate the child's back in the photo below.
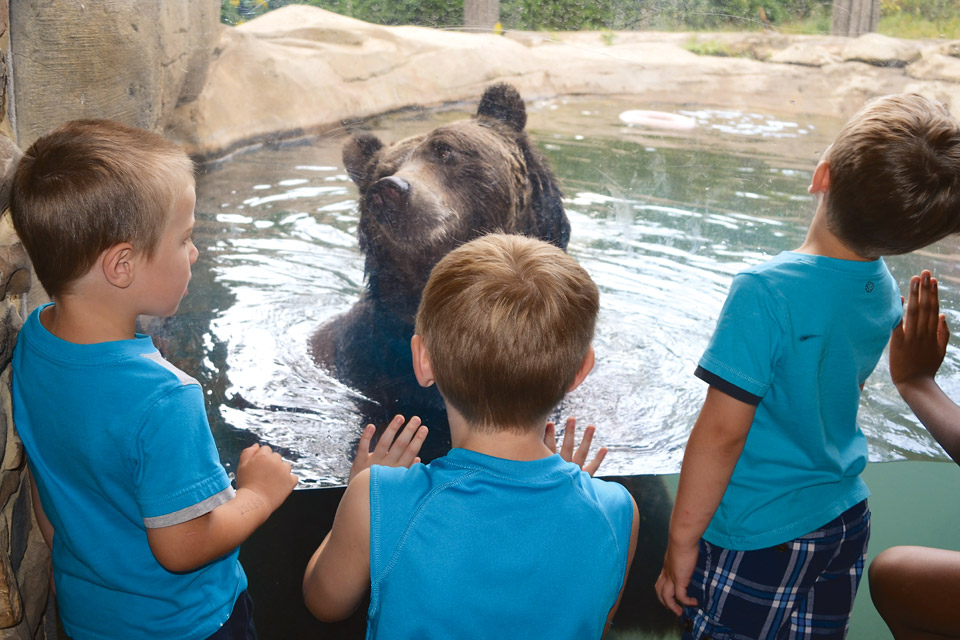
(501, 537)
(495, 548)
(117, 436)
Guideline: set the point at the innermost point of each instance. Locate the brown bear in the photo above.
(420, 198)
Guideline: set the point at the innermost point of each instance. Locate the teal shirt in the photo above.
(472, 546)
(797, 337)
(118, 441)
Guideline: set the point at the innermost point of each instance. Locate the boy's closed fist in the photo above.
(263, 471)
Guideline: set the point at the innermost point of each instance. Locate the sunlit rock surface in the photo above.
(301, 70)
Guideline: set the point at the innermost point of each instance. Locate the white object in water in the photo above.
(657, 119)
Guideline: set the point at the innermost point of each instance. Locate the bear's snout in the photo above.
(389, 197)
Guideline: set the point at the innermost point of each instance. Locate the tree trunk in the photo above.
(854, 17)
(481, 15)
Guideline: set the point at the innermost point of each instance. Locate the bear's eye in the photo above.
(443, 151)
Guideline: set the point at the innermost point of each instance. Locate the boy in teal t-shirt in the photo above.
(129, 492)
(467, 546)
(770, 526)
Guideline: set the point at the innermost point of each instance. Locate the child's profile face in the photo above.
(164, 277)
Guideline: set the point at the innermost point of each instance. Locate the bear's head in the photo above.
(426, 195)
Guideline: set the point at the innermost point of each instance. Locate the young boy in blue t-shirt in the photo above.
(128, 487)
(500, 538)
(770, 526)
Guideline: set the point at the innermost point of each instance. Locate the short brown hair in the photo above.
(506, 321)
(88, 185)
(895, 176)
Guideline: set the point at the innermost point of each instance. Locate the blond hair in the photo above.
(895, 176)
(91, 184)
(507, 322)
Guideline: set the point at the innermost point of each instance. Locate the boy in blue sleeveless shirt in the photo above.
(128, 488)
(770, 527)
(500, 538)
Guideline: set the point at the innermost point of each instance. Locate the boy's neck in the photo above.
(509, 444)
(82, 322)
(821, 241)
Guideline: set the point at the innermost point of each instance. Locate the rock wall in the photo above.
(24, 557)
(129, 61)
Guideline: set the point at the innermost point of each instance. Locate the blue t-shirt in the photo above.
(797, 337)
(118, 441)
(472, 546)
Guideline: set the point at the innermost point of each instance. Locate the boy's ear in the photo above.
(422, 368)
(117, 264)
(821, 178)
(585, 368)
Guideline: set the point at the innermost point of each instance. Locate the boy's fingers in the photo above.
(410, 452)
(399, 447)
(363, 447)
(386, 438)
(597, 460)
(933, 306)
(550, 437)
(247, 453)
(569, 435)
(912, 312)
(581, 456)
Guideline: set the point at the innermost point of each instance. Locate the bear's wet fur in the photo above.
(420, 198)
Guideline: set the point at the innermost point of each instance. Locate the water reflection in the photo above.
(661, 219)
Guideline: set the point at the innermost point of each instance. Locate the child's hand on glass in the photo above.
(578, 457)
(393, 449)
(919, 343)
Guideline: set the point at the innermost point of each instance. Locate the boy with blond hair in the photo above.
(128, 487)
(770, 526)
(501, 537)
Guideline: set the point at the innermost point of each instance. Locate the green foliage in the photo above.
(707, 47)
(904, 18)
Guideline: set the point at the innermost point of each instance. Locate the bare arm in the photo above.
(712, 451)
(338, 574)
(263, 482)
(917, 348)
(630, 552)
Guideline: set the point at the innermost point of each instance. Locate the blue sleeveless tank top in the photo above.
(472, 546)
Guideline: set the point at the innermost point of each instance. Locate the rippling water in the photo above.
(660, 219)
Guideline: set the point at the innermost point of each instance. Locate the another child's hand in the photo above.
(566, 449)
(919, 343)
(263, 471)
(393, 450)
(678, 566)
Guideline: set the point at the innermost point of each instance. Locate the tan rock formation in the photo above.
(301, 70)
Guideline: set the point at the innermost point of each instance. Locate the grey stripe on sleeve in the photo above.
(193, 511)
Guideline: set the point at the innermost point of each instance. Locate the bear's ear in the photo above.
(503, 102)
(357, 153)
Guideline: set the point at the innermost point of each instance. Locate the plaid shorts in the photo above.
(799, 589)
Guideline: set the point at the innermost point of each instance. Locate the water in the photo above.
(661, 219)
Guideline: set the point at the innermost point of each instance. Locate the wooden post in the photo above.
(854, 17)
(481, 15)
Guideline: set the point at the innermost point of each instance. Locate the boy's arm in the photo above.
(338, 574)
(711, 454)
(263, 482)
(633, 547)
(917, 348)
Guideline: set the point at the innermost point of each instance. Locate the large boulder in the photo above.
(129, 61)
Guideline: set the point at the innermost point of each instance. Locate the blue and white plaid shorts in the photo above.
(799, 589)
